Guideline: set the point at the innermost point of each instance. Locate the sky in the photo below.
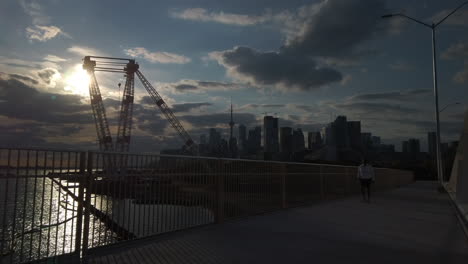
(305, 62)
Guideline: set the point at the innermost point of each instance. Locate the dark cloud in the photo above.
(456, 52)
(338, 29)
(21, 101)
(276, 69)
(333, 32)
(393, 96)
(23, 78)
(47, 75)
(375, 108)
(185, 87)
(186, 107)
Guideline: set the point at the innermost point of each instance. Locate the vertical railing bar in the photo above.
(33, 220)
(145, 181)
(50, 205)
(58, 205)
(72, 227)
(120, 185)
(151, 197)
(66, 204)
(161, 212)
(133, 188)
(14, 207)
(26, 180)
(80, 205)
(109, 183)
(5, 203)
(44, 171)
(87, 203)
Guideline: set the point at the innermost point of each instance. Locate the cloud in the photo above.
(19, 77)
(43, 33)
(49, 75)
(21, 101)
(409, 95)
(275, 68)
(257, 106)
(401, 66)
(85, 51)
(197, 86)
(182, 107)
(157, 57)
(332, 32)
(35, 11)
(456, 52)
(203, 15)
(337, 29)
(54, 58)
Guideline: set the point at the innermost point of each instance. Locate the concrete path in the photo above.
(413, 224)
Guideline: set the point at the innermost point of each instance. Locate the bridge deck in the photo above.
(413, 224)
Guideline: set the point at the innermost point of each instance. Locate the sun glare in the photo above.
(77, 81)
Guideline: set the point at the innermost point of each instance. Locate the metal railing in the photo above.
(63, 203)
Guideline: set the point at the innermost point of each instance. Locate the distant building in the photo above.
(270, 136)
(432, 144)
(203, 139)
(354, 134)
(340, 126)
(214, 138)
(286, 140)
(405, 146)
(254, 141)
(242, 137)
(366, 139)
(314, 140)
(411, 146)
(298, 142)
(375, 141)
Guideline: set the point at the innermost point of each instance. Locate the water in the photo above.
(38, 219)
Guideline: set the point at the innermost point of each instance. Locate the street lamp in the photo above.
(456, 103)
(433, 26)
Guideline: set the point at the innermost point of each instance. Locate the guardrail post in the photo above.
(220, 193)
(79, 213)
(87, 203)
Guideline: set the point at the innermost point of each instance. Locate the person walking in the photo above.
(366, 176)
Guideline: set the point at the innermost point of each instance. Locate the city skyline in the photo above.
(382, 76)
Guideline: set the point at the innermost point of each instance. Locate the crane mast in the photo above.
(126, 109)
(99, 111)
(129, 68)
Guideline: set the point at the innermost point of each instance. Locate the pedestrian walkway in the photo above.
(413, 224)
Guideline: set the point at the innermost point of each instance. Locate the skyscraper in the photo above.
(354, 134)
(314, 140)
(254, 140)
(270, 136)
(286, 145)
(340, 126)
(298, 141)
(242, 137)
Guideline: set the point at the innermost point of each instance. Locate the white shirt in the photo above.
(365, 172)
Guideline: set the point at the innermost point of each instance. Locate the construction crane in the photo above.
(129, 67)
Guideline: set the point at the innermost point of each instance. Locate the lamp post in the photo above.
(433, 26)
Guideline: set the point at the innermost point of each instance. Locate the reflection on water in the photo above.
(38, 217)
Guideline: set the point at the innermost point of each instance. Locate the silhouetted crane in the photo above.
(129, 67)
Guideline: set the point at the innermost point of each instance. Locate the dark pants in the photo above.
(365, 186)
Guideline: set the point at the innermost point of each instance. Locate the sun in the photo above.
(77, 81)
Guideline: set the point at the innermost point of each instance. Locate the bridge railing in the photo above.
(64, 203)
